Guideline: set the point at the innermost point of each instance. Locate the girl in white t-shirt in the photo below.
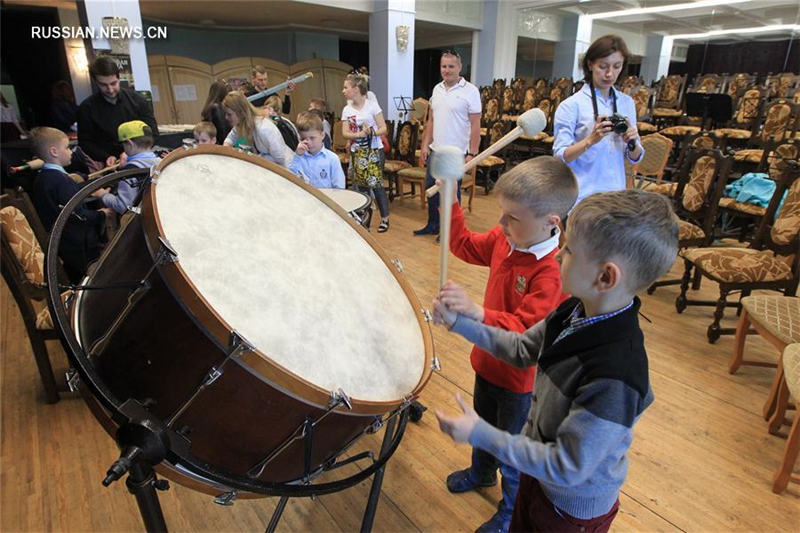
(363, 125)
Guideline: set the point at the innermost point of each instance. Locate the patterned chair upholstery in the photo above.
(771, 261)
(669, 91)
(780, 122)
(406, 144)
(508, 105)
(748, 111)
(789, 386)
(22, 266)
(529, 99)
(402, 156)
(494, 164)
(491, 112)
(656, 153)
(699, 186)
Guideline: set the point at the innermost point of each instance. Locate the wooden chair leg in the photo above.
(714, 331)
(738, 344)
(422, 195)
(680, 301)
(45, 369)
(784, 473)
(781, 403)
(772, 397)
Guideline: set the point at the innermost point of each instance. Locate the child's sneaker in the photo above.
(463, 481)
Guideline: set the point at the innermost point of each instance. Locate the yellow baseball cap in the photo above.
(131, 130)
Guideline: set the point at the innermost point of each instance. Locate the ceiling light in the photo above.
(663, 9)
(756, 29)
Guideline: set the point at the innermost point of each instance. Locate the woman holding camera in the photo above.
(595, 128)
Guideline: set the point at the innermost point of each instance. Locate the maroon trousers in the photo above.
(534, 512)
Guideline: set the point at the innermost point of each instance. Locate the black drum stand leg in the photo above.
(276, 516)
(141, 482)
(377, 481)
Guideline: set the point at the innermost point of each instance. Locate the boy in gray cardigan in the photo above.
(592, 382)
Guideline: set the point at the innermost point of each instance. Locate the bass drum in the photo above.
(262, 307)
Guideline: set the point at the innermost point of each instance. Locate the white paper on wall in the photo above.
(185, 93)
(155, 93)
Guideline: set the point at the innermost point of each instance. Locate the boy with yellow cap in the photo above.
(137, 141)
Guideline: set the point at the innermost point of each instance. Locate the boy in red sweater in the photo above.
(524, 286)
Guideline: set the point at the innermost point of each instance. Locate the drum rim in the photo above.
(219, 331)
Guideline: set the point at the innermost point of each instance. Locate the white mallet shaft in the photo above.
(280, 86)
(447, 165)
(531, 122)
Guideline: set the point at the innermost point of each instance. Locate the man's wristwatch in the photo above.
(471, 154)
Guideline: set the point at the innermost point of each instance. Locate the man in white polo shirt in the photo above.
(454, 119)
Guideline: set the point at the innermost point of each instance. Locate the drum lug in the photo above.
(226, 499)
(426, 315)
(239, 345)
(73, 380)
(436, 365)
(135, 209)
(154, 174)
(339, 397)
(398, 264)
(376, 425)
(166, 254)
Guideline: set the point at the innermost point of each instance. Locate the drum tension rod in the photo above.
(237, 346)
(303, 432)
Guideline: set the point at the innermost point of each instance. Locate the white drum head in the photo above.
(291, 276)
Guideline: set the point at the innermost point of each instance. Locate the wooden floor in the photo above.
(701, 460)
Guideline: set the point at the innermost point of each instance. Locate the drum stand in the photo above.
(392, 431)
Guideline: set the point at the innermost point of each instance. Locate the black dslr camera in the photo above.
(618, 123)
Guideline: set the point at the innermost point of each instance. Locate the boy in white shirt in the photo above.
(317, 165)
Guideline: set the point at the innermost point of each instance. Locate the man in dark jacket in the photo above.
(100, 115)
(258, 83)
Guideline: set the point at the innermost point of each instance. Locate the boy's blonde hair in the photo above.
(307, 121)
(546, 185)
(319, 103)
(205, 127)
(637, 227)
(275, 103)
(43, 138)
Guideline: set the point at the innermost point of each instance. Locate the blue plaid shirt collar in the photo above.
(576, 321)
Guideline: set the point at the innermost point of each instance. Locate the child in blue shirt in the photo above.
(137, 141)
(317, 165)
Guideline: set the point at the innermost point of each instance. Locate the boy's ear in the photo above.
(610, 276)
(52, 151)
(554, 220)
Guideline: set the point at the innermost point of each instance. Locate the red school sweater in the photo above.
(521, 291)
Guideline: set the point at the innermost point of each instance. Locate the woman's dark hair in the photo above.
(603, 47)
(216, 93)
(104, 66)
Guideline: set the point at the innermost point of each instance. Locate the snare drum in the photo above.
(358, 205)
(249, 326)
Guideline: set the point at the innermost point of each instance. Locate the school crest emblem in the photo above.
(521, 284)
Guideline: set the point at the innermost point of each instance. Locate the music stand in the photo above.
(403, 105)
(717, 107)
